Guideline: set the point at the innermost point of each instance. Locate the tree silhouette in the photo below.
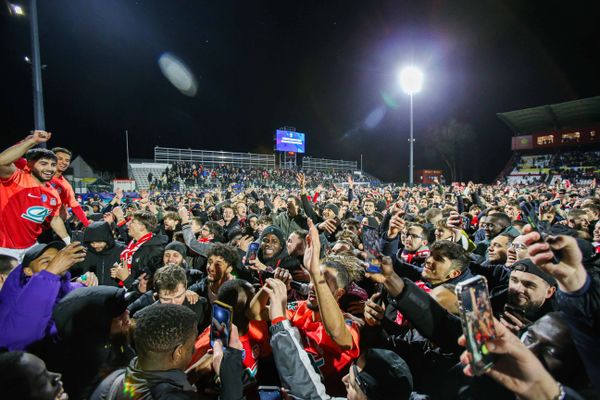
(451, 141)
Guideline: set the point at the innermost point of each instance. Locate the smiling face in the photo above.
(172, 257)
(270, 246)
(41, 383)
(63, 162)
(438, 271)
(43, 169)
(528, 291)
(217, 269)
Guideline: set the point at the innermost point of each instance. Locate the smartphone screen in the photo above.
(220, 326)
(465, 224)
(477, 321)
(269, 393)
(370, 239)
(252, 252)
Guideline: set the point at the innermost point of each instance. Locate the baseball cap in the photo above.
(385, 376)
(526, 265)
(39, 249)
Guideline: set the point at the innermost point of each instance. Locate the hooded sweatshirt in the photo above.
(85, 352)
(101, 262)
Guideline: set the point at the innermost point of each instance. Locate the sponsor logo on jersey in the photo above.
(36, 214)
(53, 201)
(44, 198)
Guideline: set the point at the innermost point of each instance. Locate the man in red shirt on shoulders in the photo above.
(64, 188)
(26, 198)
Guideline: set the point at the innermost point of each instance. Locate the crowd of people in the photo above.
(189, 174)
(296, 290)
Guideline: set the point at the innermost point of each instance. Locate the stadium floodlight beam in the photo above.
(411, 80)
(16, 9)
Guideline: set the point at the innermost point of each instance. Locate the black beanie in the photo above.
(332, 207)
(385, 376)
(178, 247)
(274, 230)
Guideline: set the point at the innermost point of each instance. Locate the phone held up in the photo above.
(371, 246)
(252, 252)
(477, 321)
(220, 326)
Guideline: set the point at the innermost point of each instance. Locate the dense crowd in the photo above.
(188, 174)
(297, 290)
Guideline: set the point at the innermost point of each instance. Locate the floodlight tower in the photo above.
(411, 80)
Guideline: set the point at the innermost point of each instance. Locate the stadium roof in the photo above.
(553, 117)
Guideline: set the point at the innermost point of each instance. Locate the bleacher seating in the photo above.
(578, 166)
(140, 171)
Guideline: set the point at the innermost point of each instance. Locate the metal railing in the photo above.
(327, 164)
(213, 158)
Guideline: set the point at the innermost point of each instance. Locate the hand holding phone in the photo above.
(477, 321)
(220, 326)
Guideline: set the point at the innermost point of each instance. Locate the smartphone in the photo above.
(477, 321)
(465, 223)
(252, 252)
(269, 393)
(370, 239)
(220, 326)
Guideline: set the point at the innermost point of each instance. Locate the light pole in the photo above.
(36, 65)
(411, 80)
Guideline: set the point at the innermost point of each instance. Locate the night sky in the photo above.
(321, 66)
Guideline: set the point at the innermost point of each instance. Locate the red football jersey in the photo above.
(326, 356)
(65, 191)
(256, 345)
(24, 206)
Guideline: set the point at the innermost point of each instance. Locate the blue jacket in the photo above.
(26, 304)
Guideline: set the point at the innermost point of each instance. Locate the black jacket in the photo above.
(148, 258)
(99, 263)
(83, 350)
(171, 384)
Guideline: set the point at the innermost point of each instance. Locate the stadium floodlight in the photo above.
(411, 80)
(16, 9)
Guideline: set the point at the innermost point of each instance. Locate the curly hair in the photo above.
(226, 252)
(162, 327)
(349, 268)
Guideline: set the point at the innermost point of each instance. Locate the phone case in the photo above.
(477, 321)
(220, 328)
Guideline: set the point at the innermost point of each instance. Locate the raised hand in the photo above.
(328, 226)
(277, 292)
(313, 250)
(39, 136)
(184, 214)
(72, 254)
(396, 226)
(515, 367)
(569, 272)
